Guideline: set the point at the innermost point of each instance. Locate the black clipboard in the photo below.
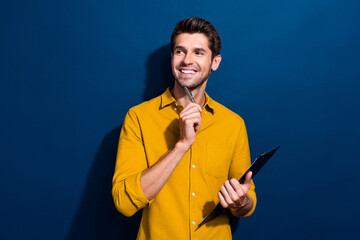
(254, 168)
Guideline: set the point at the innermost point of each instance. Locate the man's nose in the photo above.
(188, 59)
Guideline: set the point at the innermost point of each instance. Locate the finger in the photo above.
(222, 200)
(193, 121)
(192, 105)
(247, 182)
(240, 191)
(192, 115)
(231, 191)
(197, 126)
(226, 196)
(189, 112)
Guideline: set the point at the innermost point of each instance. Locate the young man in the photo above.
(175, 157)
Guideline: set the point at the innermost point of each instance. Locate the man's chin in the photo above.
(189, 85)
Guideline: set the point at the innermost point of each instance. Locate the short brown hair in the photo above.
(198, 25)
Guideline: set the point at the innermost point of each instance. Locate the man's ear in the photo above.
(216, 62)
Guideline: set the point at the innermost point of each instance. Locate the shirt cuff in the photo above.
(134, 190)
(253, 196)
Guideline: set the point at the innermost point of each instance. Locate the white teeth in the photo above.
(187, 71)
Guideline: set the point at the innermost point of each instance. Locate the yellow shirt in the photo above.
(220, 152)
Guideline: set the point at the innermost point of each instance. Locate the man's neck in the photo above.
(183, 99)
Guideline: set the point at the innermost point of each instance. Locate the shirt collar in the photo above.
(209, 104)
(168, 99)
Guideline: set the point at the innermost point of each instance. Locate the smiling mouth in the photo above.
(188, 71)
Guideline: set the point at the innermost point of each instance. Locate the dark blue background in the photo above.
(70, 70)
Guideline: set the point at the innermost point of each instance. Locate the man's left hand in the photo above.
(233, 195)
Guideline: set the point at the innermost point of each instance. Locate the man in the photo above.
(175, 157)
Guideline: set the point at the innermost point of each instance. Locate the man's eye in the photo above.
(179, 52)
(199, 53)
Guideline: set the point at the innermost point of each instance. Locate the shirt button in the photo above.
(205, 112)
(193, 194)
(193, 166)
(175, 108)
(193, 223)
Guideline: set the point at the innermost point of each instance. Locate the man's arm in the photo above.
(154, 178)
(240, 199)
(134, 184)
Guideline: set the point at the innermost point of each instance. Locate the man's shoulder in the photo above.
(225, 113)
(147, 106)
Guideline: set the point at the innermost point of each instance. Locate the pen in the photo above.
(189, 94)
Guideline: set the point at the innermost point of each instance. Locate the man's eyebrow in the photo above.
(194, 49)
(179, 47)
(199, 49)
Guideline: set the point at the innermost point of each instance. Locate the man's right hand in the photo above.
(190, 123)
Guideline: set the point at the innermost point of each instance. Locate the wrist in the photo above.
(242, 203)
(243, 207)
(182, 146)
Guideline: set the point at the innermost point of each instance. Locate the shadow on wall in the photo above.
(97, 217)
(158, 73)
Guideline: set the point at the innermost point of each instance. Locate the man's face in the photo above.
(191, 61)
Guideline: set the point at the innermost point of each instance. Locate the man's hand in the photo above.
(190, 122)
(233, 195)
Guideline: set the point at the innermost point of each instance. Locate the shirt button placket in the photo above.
(193, 190)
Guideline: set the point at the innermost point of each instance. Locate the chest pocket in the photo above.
(218, 159)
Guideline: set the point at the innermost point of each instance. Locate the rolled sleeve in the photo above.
(252, 194)
(130, 163)
(134, 190)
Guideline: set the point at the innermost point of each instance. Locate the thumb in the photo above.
(247, 182)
